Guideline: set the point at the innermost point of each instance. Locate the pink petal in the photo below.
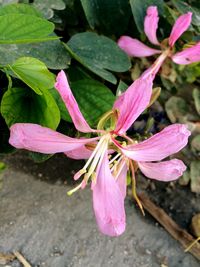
(161, 145)
(188, 55)
(165, 171)
(132, 103)
(180, 26)
(79, 153)
(151, 24)
(36, 138)
(63, 88)
(135, 48)
(121, 177)
(108, 202)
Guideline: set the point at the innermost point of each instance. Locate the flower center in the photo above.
(91, 165)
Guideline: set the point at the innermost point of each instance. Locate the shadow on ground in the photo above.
(51, 229)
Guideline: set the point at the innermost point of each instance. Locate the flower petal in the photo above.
(161, 145)
(188, 55)
(180, 26)
(64, 90)
(132, 103)
(165, 171)
(36, 138)
(79, 153)
(151, 24)
(108, 202)
(135, 48)
(121, 177)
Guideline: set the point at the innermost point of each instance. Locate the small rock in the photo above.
(148, 252)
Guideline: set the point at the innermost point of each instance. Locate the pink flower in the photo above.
(135, 48)
(111, 153)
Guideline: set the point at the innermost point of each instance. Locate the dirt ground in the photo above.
(51, 229)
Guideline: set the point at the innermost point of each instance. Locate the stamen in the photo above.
(134, 188)
(121, 166)
(86, 178)
(69, 193)
(79, 174)
(94, 177)
(116, 163)
(97, 157)
(115, 157)
(84, 169)
(94, 152)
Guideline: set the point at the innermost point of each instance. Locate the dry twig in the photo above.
(21, 259)
(176, 232)
(5, 258)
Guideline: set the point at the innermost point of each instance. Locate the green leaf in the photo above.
(195, 176)
(2, 166)
(77, 73)
(47, 6)
(195, 144)
(94, 99)
(121, 88)
(191, 72)
(139, 10)
(105, 15)
(20, 28)
(196, 96)
(99, 54)
(170, 14)
(185, 178)
(56, 58)
(30, 107)
(34, 73)
(149, 124)
(19, 9)
(176, 109)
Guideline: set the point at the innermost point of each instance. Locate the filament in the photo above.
(114, 158)
(134, 188)
(122, 163)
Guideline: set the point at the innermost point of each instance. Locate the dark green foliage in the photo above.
(98, 54)
(105, 15)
